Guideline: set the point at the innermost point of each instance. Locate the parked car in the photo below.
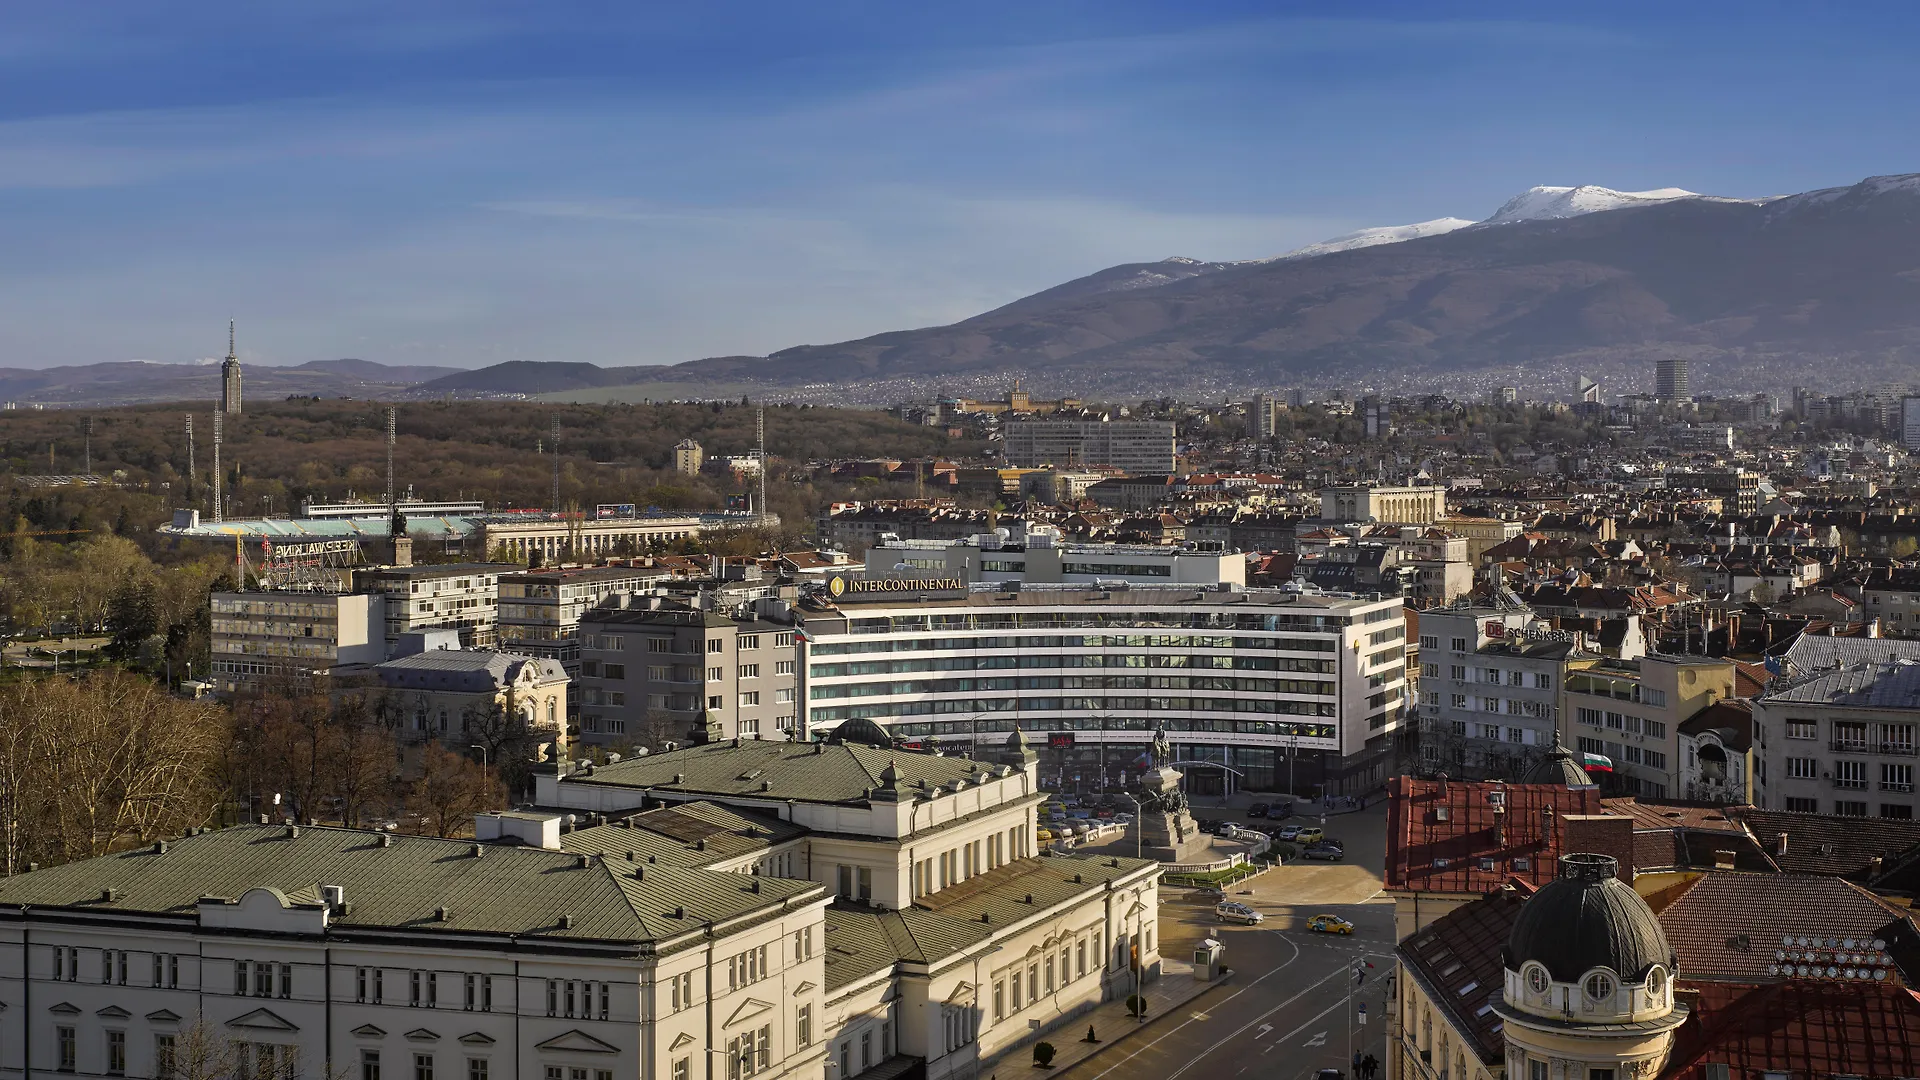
(1228, 828)
(1209, 826)
(1103, 813)
(1281, 810)
(1334, 841)
(1309, 834)
(1237, 913)
(1258, 809)
(1123, 819)
(1287, 832)
(1329, 924)
(1328, 852)
(1044, 836)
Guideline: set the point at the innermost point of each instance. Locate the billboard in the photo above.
(613, 510)
(1059, 740)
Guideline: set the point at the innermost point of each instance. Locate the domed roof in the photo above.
(861, 731)
(1559, 768)
(1588, 918)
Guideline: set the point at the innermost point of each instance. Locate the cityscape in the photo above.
(1486, 648)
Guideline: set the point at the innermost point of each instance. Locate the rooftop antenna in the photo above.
(217, 512)
(554, 446)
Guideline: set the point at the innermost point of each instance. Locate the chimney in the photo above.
(1602, 834)
(1873, 867)
(1780, 844)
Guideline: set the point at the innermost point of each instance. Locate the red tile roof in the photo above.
(1727, 927)
(1457, 961)
(1800, 1029)
(1465, 853)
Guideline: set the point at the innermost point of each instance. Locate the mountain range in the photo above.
(1760, 292)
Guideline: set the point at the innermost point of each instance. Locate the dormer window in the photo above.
(1599, 988)
(1537, 980)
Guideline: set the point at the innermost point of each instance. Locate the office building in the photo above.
(259, 636)
(1910, 422)
(1670, 379)
(1490, 684)
(1279, 689)
(1139, 447)
(452, 596)
(650, 673)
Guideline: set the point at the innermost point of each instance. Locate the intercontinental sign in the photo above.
(843, 586)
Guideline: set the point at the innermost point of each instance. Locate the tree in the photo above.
(451, 790)
(132, 617)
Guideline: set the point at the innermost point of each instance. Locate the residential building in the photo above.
(950, 946)
(1280, 689)
(1910, 422)
(451, 596)
(1840, 741)
(1630, 711)
(1043, 556)
(259, 636)
(1266, 414)
(1389, 505)
(1141, 447)
(688, 457)
(653, 672)
(539, 610)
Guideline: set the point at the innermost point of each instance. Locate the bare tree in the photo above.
(451, 789)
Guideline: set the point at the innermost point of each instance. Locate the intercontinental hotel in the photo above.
(1263, 683)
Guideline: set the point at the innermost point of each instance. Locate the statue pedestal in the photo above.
(1165, 830)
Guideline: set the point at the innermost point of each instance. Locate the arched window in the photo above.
(1599, 987)
(1536, 977)
(443, 720)
(553, 713)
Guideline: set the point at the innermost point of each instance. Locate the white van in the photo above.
(1237, 913)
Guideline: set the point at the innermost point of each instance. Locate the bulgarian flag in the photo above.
(1596, 762)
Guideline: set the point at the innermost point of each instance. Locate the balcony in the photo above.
(1849, 746)
(1904, 749)
(1849, 783)
(1904, 788)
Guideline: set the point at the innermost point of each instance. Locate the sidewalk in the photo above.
(1109, 1020)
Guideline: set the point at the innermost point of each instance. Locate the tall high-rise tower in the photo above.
(230, 376)
(1670, 382)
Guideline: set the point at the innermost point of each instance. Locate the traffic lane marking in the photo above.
(1197, 1058)
(1224, 1001)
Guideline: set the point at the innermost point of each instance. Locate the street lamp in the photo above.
(1139, 930)
(483, 752)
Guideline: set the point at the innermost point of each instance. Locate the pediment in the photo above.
(423, 1035)
(803, 989)
(368, 1031)
(477, 1038)
(65, 1008)
(748, 1009)
(163, 1016)
(962, 992)
(680, 1040)
(112, 1012)
(579, 1042)
(263, 1020)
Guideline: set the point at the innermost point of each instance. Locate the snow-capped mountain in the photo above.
(1553, 203)
(1384, 234)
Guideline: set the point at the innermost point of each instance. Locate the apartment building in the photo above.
(539, 610)
(454, 596)
(1632, 712)
(259, 636)
(650, 674)
(1143, 447)
(949, 941)
(1278, 689)
(1840, 742)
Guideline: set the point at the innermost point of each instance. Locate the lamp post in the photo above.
(1134, 960)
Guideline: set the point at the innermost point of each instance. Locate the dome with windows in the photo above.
(1560, 768)
(1587, 945)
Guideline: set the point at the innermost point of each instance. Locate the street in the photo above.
(1283, 1013)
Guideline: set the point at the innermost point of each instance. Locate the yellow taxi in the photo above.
(1044, 836)
(1312, 834)
(1329, 924)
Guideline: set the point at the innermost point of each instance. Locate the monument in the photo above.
(1166, 831)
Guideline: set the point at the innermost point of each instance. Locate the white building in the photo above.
(1275, 687)
(1841, 742)
(1042, 557)
(1490, 686)
(262, 635)
(1139, 447)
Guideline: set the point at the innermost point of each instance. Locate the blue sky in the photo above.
(466, 182)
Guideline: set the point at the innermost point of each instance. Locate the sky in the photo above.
(464, 182)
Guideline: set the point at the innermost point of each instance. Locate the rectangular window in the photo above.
(1850, 774)
(716, 645)
(1803, 768)
(1849, 808)
(1802, 729)
(749, 671)
(803, 1027)
(717, 701)
(423, 1067)
(553, 997)
(286, 980)
(1542, 681)
(750, 699)
(165, 1057)
(413, 988)
(472, 992)
(476, 1069)
(1460, 644)
(369, 1065)
(1803, 806)
(116, 1053)
(66, 1047)
(681, 1069)
(783, 667)
(1896, 777)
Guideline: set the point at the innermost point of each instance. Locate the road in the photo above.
(1283, 1015)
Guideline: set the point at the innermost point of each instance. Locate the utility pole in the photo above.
(87, 450)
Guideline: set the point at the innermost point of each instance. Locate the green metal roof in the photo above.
(504, 890)
(808, 772)
(690, 834)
